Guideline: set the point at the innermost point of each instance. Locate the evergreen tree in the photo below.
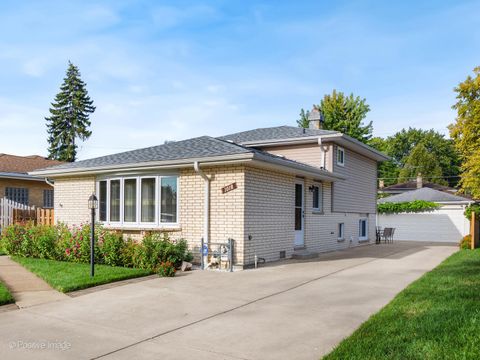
(69, 117)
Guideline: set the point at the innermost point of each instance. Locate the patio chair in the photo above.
(391, 235)
(387, 234)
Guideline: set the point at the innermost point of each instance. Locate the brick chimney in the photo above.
(315, 119)
(419, 181)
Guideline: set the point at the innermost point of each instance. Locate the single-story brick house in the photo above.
(17, 185)
(272, 190)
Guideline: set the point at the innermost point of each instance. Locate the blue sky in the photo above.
(169, 70)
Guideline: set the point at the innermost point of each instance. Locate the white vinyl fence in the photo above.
(7, 209)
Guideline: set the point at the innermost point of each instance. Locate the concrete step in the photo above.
(304, 254)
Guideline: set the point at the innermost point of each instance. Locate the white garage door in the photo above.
(448, 224)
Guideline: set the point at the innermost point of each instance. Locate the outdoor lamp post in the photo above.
(92, 205)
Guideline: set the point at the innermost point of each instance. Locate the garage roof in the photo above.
(426, 194)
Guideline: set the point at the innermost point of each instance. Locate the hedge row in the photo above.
(155, 252)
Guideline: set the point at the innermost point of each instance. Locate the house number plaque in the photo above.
(229, 188)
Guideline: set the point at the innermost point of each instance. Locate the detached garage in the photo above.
(446, 224)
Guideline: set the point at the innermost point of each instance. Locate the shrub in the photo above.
(470, 208)
(12, 238)
(166, 269)
(111, 246)
(406, 207)
(466, 242)
(128, 252)
(73, 244)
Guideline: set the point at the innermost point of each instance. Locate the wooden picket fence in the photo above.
(12, 212)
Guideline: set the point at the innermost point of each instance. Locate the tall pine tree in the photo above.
(69, 117)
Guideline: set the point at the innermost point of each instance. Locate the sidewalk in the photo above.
(26, 288)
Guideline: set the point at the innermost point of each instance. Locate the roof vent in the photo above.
(315, 118)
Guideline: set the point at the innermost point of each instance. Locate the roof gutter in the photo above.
(150, 165)
(276, 142)
(346, 141)
(295, 168)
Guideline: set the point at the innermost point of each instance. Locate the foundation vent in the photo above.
(283, 254)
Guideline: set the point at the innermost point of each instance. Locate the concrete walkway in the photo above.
(288, 310)
(26, 288)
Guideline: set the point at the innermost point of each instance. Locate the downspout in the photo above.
(324, 150)
(49, 182)
(206, 204)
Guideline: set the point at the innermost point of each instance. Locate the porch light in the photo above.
(92, 202)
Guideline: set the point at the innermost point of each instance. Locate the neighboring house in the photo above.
(447, 224)
(412, 185)
(272, 190)
(17, 185)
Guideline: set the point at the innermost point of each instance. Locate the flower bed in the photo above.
(72, 244)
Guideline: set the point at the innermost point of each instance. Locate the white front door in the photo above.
(299, 213)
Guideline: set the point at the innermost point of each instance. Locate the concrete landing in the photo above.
(27, 288)
(304, 254)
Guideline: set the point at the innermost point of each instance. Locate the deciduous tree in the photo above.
(343, 113)
(421, 161)
(466, 132)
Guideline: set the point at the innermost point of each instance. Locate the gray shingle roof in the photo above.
(204, 146)
(426, 194)
(196, 148)
(274, 133)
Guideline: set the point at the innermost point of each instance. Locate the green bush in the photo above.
(73, 244)
(12, 238)
(166, 269)
(470, 208)
(111, 246)
(466, 242)
(406, 207)
(128, 253)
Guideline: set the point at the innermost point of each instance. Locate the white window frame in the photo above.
(157, 199)
(342, 150)
(360, 237)
(122, 200)
(341, 231)
(320, 197)
(138, 223)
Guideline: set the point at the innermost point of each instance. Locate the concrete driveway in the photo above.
(287, 310)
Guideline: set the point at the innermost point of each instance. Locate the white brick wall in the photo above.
(262, 206)
(71, 199)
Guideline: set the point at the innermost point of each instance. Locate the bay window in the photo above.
(141, 200)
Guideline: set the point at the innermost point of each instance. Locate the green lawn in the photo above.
(5, 296)
(436, 317)
(67, 276)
